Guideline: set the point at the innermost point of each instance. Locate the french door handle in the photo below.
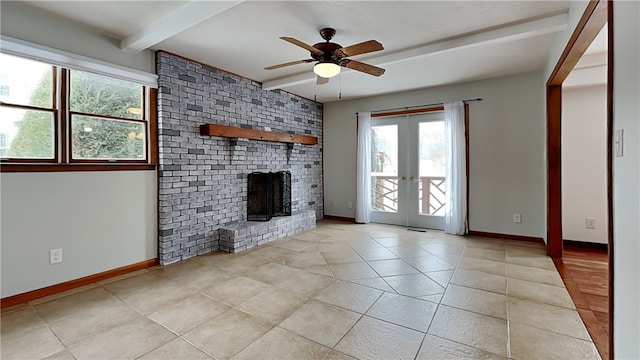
(404, 178)
(413, 179)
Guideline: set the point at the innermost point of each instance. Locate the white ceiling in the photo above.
(427, 43)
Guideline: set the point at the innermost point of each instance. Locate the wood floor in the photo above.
(585, 272)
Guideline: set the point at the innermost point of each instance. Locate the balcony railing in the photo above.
(431, 194)
(385, 193)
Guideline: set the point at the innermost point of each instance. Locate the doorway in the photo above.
(595, 16)
(407, 170)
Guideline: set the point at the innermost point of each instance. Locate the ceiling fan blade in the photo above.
(288, 64)
(360, 66)
(320, 80)
(302, 45)
(361, 48)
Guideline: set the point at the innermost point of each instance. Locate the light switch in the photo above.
(618, 140)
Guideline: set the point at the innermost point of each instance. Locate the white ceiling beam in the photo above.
(175, 22)
(510, 33)
(590, 70)
(591, 60)
(588, 76)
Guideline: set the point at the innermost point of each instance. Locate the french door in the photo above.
(407, 170)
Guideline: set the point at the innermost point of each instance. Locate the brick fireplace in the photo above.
(203, 179)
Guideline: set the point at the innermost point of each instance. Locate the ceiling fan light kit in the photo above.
(326, 69)
(331, 57)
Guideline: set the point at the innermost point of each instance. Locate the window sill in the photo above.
(73, 167)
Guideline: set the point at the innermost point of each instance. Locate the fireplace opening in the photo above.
(268, 195)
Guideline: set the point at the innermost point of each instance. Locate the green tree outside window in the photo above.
(92, 137)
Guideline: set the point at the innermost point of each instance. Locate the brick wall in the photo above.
(203, 179)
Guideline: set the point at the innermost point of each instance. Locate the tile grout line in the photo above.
(51, 331)
(442, 297)
(441, 304)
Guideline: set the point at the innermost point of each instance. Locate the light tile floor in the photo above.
(338, 291)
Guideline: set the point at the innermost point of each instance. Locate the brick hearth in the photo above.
(245, 235)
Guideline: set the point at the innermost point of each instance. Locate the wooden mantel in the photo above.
(253, 134)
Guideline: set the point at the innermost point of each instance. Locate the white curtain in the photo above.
(363, 168)
(455, 217)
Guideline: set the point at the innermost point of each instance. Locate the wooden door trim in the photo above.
(554, 171)
(589, 26)
(610, 167)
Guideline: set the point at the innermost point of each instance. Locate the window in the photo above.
(27, 109)
(51, 114)
(107, 121)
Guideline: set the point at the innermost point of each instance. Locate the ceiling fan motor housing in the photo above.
(329, 52)
(328, 48)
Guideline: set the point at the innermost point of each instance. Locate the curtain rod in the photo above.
(419, 106)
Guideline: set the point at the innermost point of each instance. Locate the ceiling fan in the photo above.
(331, 56)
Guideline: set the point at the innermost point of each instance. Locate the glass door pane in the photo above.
(384, 168)
(427, 164)
(432, 168)
(389, 171)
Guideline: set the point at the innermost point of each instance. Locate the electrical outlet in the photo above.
(333, 203)
(517, 218)
(591, 223)
(350, 204)
(55, 256)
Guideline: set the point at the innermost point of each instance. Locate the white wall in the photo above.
(101, 221)
(626, 180)
(22, 22)
(506, 150)
(584, 163)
